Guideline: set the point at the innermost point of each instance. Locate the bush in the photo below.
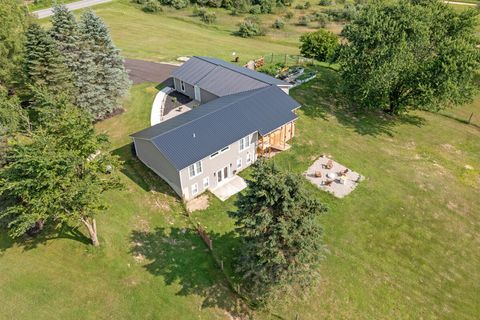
(255, 9)
(320, 45)
(198, 11)
(278, 24)
(303, 21)
(344, 14)
(285, 3)
(152, 6)
(250, 28)
(307, 5)
(208, 17)
(266, 6)
(325, 2)
(238, 6)
(322, 19)
(134, 1)
(179, 4)
(289, 15)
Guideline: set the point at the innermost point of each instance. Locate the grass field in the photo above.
(403, 245)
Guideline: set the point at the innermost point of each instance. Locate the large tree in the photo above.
(14, 21)
(57, 173)
(410, 55)
(282, 239)
(43, 64)
(110, 73)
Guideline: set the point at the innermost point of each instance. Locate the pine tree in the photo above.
(77, 52)
(44, 66)
(111, 75)
(282, 240)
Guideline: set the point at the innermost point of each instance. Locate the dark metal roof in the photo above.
(222, 78)
(194, 135)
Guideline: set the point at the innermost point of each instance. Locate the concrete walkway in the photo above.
(157, 106)
(44, 13)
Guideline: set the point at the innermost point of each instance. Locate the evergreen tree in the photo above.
(110, 75)
(14, 20)
(77, 52)
(58, 173)
(282, 240)
(44, 66)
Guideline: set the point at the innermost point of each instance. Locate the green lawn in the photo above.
(403, 245)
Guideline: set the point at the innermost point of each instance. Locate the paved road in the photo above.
(462, 3)
(71, 6)
(146, 71)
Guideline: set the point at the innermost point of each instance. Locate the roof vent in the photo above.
(194, 134)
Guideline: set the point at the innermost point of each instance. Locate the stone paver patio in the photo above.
(340, 185)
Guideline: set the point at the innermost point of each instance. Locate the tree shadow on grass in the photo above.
(182, 259)
(49, 233)
(136, 171)
(323, 96)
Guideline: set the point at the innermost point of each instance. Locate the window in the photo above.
(194, 189)
(206, 182)
(249, 158)
(213, 155)
(239, 163)
(182, 85)
(195, 169)
(244, 143)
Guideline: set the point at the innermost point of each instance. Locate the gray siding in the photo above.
(206, 96)
(189, 90)
(211, 165)
(155, 160)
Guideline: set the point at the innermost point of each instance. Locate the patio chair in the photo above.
(343, 173)
(329, 164)
(328, 183)
(318, 174)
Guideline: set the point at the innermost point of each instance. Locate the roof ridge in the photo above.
(231, 69)
(250, 93)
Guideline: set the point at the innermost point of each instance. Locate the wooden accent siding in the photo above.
(276, 139)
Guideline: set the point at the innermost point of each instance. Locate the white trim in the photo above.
(207, 180)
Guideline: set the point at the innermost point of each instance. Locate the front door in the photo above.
(197, 93)
(222, 175)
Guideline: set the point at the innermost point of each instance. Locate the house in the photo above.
(242, 115)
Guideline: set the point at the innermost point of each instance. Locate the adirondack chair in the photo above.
(329, 164)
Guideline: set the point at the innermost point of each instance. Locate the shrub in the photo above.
(179, 4)
(198, 11)
(134, 1)
(208, 17)
(343, 14)
(320, 45)
(266, 6)
(289, 15)
(152, 6)
(299, 6)
(239, 6)
(255, 9)
(285, 3)
(322, 19)
(307, 5)
(271, 69)
(303, 21)
(325, 2)
(249, 28)
(278, 24)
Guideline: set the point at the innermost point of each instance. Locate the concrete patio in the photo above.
(229, 188)
(331, 179)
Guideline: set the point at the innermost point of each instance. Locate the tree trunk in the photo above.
(91, 226)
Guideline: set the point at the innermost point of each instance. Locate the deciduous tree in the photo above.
(58, 173)
(410, 55)
(282, 239)
(319, 45)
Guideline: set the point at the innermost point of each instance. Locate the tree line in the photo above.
(54, 167)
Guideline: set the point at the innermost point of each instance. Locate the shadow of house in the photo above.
(139, 173)
(181, 258)
(325, 96)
